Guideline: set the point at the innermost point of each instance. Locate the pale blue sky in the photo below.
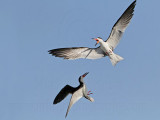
(31, 78)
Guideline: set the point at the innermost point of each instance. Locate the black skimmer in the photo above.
(77, 93)
(106, 48)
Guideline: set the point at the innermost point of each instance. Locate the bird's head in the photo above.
(82, 76)
(98, 39)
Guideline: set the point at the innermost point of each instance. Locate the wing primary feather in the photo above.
(77, 52)
(120, 26)
(75, 97)
(128, 12)
(63, 93)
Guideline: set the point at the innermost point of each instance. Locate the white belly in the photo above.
(105, 47)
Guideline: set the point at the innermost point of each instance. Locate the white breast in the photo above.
(105, 47)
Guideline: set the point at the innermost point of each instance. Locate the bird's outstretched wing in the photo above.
(75, 97)
(63, 93)
(120, 26)
(78, 52)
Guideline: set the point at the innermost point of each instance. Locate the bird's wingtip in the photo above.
(50, 51)
(55, 102)
(65, 115)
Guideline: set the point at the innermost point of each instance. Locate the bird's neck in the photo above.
(80, 85)
(101, 41)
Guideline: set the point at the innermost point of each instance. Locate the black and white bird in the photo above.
(106, 48)
(77, 93)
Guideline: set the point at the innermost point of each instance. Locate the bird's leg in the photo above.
(89, 92)
(109, 52)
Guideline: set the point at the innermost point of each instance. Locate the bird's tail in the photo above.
(91, 99)
(114, 58)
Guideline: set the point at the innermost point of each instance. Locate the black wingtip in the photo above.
(66, 115)
(50, 51)
(134, 2)
(55, 102)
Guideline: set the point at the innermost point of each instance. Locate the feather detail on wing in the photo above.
(75, 97)
(78, 52)
(120, 26)
(63, 93)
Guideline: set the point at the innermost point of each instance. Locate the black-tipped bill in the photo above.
(96, 44)
(84, 75)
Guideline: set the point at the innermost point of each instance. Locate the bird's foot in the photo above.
(107, 54)
(89, 92)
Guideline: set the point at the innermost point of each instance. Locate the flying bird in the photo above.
(106, 48)
(77, 93)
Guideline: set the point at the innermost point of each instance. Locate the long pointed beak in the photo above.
(94, 38)
(84, 75)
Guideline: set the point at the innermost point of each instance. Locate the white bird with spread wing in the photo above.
(106, 48)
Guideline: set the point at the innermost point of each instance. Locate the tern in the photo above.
(106, 48)
(77, 93)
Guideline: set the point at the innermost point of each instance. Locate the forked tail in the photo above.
(114, 58)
